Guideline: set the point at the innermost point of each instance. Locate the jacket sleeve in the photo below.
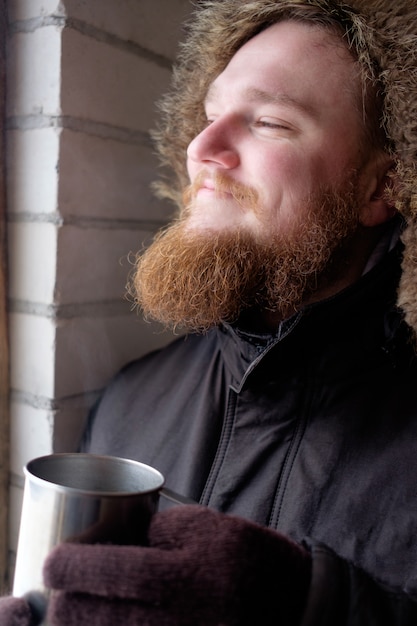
(342, 594)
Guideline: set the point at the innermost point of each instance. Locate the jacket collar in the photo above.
(366, 308)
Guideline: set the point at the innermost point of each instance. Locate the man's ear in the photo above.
(379, 205)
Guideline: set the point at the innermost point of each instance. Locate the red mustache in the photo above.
(245, 196)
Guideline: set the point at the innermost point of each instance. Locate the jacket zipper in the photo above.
(223, 444)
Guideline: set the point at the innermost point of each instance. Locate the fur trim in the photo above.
(383, 34)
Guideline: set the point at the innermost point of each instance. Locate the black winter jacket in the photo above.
(311, 431)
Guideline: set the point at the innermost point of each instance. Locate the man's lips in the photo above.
(221, 187)
(208, 184)
(208, 187)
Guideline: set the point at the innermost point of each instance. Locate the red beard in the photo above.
(198, 279)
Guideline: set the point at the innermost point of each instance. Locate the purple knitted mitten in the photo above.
(201, 567)
(14, 612)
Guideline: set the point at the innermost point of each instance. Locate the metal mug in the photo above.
(83, 498)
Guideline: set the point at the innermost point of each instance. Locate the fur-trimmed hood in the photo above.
(384, 35)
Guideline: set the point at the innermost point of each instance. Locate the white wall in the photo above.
(83, 78)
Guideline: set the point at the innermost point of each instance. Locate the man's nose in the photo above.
(215, 144)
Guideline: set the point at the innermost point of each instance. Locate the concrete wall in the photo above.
(83, 78)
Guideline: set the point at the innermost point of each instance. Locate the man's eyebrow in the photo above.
(253, 94)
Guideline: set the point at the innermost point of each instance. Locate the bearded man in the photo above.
(289, 410)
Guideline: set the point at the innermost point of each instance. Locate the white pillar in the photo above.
(83, 78)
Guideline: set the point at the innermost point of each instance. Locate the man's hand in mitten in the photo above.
(14, 612)
(201, 567)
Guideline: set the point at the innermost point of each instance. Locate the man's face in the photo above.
(280, 189)
(283, 119)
